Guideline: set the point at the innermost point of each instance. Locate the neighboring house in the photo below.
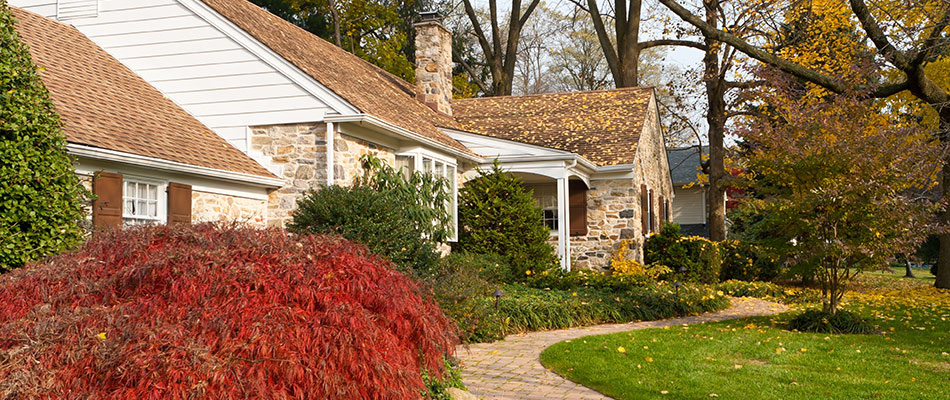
(145, 158)
(307, 110)
(689, 206)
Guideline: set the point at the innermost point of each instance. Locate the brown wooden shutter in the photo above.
(179, 203)
(107, 207)
(577, 203)
(644, 209)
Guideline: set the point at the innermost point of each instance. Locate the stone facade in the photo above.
(213, 207)
(613, 205)
(295, 152)
(613, 215)
(434, 64)
(347, 153)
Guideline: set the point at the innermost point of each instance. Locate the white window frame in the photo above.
(556, 220)
(448, 164)
(161, 207)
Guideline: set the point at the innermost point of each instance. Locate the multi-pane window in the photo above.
(549, 217)
(141, 202)
(545, 196)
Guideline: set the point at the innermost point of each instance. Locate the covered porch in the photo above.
(559, 186)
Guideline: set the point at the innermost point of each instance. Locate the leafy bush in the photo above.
(436, 388)
(526, 309)
(208, 312)
(490, 267)
(762, 290)
(745, 261)
(497, 215)
(622, 263)
(770, 291)
(458, 285)
(823, 322)
(366, 215)
(392, 214)
(690, 258)
(43, 201)
(556, 278)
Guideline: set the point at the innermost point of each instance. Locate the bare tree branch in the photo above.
(672, 42)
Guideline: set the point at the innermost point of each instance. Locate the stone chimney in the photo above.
(433, 63)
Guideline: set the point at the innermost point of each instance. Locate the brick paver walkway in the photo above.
(509, 369)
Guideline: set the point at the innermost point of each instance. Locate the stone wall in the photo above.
(295, 152)
(213, 207)
(612, 216)
(346, 157)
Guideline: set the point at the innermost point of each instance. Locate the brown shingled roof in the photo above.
(369, 88)
(104, 104)
(602, 126)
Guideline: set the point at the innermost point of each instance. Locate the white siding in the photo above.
(46, 8)
(689, 206)
(210, 75)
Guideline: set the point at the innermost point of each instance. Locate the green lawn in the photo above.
(756, 359)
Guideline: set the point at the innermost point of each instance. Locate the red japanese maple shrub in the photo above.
(220, 313)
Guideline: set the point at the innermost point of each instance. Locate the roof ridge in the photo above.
(577, 92)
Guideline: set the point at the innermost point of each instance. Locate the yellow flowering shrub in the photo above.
(621, 263)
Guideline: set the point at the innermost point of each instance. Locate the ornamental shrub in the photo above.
(397, 216)
(747, 262)
(458, 286)
(825, 322)
(622, 263)
(689, 258)
(41, 199)
(366, 215)
(497, 215)
(182, 312)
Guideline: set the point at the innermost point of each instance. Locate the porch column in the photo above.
(563, 224)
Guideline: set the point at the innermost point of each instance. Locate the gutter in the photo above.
(386, 127)
(79, 150)
(576, 159)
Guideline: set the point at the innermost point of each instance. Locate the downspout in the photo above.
(330, 151)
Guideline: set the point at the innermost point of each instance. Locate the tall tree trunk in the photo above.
(716, 119)
(909, 272)
(943, 258)
(335, 15)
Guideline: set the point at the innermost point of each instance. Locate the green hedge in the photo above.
(42, 199)
(526, 309)
(689, 258)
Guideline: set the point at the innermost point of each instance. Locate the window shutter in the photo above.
(107, 207)
(577, 201)
(179, 203)
(644, 209)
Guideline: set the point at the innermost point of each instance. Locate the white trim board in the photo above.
(158, 164)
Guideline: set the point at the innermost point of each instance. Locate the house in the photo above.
(145, 158)
(594, 160)
(689, 208)
(306, 111)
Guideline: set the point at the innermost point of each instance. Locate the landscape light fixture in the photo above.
(498, 293)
